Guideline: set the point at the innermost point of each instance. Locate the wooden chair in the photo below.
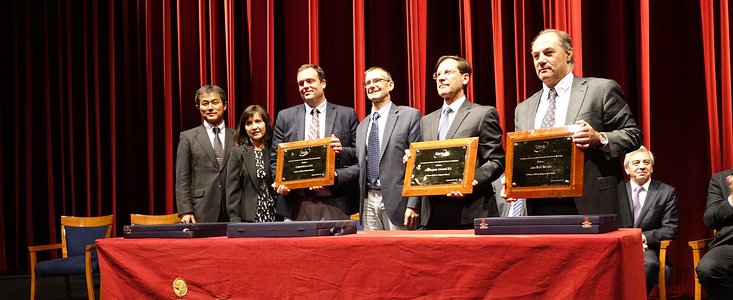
(698, 250)
(78, 235)
(662, 284)
(138, 219)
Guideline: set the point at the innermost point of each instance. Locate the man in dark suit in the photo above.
(459, 118)
(381, 141)
(606, 126)
(201, 161)
(648, 204)
(715, 270)
(316, 118)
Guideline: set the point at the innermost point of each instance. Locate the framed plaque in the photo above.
(305, 164)
(543, 163)
(440, 167)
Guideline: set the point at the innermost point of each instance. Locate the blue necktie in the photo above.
(549, 119)
(516, 208)
(444, 123)
(373, 153)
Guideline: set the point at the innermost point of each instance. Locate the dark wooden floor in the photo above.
(17, 286)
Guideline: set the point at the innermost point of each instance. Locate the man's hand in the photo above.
(586, 137)
(406, 156)
(412, 217)
(336, 144)
(316, 188)
(188, 218)
(643, 242)
(729, 180)
(503, 191)
(456, 194)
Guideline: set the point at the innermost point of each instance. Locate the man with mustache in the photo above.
(650, 205)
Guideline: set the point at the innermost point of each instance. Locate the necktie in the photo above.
(637, 201)
(313, 131)
(373, 153)
(549, 119)
(516, 208)
(218, 147)
(444, 123)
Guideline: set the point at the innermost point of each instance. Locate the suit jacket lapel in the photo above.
(534, 103)
(228, 144)
(388, 128)
(299, 120)
(203, 138)
(330, 119)
(250, 162)
(462, 113)
(577, 95)
(431, 125)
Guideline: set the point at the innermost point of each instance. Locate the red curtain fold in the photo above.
(102, 89)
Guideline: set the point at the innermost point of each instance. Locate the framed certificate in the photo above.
(441, 167)
(305, 164)
(543, 163)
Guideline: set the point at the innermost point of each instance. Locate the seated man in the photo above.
(648, 204)
(715, 270)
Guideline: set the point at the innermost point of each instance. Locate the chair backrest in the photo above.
(138, 219)
(77, 232)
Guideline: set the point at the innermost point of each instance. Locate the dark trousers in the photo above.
(318, 209)
(715, 272)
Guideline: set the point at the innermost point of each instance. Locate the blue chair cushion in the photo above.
(78, 237)
(65, 266)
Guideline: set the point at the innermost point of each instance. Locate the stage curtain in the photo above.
(100, 90)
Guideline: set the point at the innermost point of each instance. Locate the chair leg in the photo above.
(68, 286)
(32, 261)
(90, 277)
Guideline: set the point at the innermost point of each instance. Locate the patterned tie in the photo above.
(549, 119)
(444, 123)
(516, 208)
(373, 153)
(637, 201)
(218, 147)
(313, 131)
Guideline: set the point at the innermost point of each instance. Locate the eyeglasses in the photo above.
(375, 81)
(447, 73)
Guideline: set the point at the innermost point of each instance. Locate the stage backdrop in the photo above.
(100, 90)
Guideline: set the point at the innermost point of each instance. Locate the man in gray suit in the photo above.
(715, 270)
(201, 161)
(316, 118)
(460, 118)
(648, 204)
(606, 126)
(381, 139)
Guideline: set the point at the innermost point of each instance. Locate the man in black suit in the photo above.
(460, 118)
(715, 270)
(606, 126)
(648, 204)
(316, 118)
(387, 131)
(201, 161)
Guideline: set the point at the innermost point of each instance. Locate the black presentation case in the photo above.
(195, 230)
(291, 229)
(546, 224)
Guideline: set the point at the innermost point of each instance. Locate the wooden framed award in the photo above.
(543, 163)
(304, 164)
(440, 167)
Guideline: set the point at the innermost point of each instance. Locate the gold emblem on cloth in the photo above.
(180, 288)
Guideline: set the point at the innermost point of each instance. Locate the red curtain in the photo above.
(100, 90)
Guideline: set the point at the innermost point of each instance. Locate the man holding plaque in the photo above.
(381, 140)
(460, 118)
(315, 119)
(606, 126)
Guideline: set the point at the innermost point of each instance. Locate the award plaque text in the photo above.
(305, 164)
(543, 163)
(440, 167)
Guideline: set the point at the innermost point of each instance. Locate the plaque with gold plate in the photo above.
(543, 163)
(304, 164)
(440, 167)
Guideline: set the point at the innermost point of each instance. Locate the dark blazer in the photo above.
(401, 129)
(200, 183)
(658, 216)
(341, 121)
(600, 102)
(718, 213)
(243, 184)
(471, 120)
